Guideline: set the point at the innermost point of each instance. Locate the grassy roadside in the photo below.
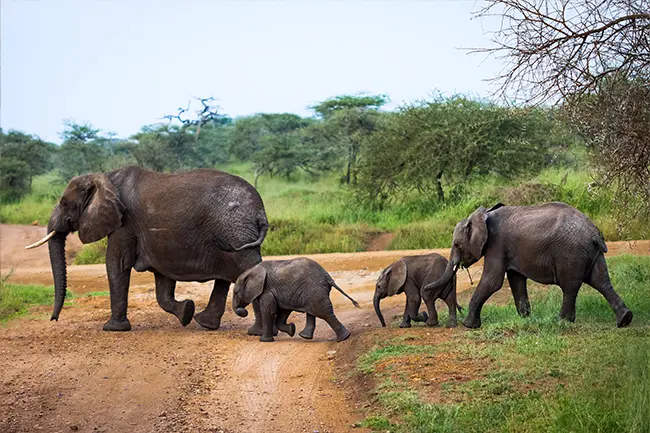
(17, 299)
(523, 375)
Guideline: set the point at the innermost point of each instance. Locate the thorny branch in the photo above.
(556, 48)
(208, 113)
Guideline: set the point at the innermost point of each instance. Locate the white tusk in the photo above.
(455, 268)
(49, 236)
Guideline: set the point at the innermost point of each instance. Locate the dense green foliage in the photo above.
(542, 374)
(23, 158)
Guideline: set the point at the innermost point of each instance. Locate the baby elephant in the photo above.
(409, 275)
(284, 286)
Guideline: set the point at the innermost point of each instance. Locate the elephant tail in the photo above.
(355, 303)
(262, 226)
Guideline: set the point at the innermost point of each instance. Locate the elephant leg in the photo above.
(519, 292)
(210, 318)
(281, 322)
(411, 310)
(268, 306)
(327, 314)
(165, 288)
(569, 296)
(430, 302)
(599, 280)
(118, 283)
(256, 328)
(310, 326)
(452, 305)
(491, 282)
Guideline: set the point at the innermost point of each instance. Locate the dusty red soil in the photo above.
(71, 376)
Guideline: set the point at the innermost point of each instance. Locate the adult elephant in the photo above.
(552, 243)
(198, 225)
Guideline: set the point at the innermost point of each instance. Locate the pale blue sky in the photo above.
(122, 64)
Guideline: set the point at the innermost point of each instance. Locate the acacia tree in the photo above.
(427, 145)
(593, 58)
(351, 120)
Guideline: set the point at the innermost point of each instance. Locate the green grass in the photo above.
(16, 299)
(366, 362)
(321, 215)
(544, 375)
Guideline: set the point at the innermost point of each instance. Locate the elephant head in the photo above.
(390, 281)
(470, 236)
(248, 287)
(90, 205)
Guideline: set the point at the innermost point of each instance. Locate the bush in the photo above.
(92, 254)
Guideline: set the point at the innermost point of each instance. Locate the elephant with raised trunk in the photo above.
(198, 225)
(551, 243)
(284, 286)
(409, 275)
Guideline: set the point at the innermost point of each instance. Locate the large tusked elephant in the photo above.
(198, 225)
(552, 243)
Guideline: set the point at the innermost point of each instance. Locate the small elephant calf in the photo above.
(409, 275)
(284, 286)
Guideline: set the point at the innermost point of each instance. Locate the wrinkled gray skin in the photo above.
(199, 225)
(284, 286)
(409, 275)
(552, 243)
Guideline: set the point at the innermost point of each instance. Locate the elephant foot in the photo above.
(187, 311)
(289, 329)
(117, 325)
(208, 321)
(343, 335)
(469, 322)
(431, 323)
(256, 330)
(422, 317)
(452, 323)
(405, 325)
(307, 335)
(568, 317)
(625, 319)
(266, 339)
(524, 310)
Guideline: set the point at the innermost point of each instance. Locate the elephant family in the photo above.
(409, 275)
(284, 286)
(198, 225)
(552, 243)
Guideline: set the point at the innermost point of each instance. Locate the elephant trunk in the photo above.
(450, 271)
(241, 312)
(56, 247)
(378, 310)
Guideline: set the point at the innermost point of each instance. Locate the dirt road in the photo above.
(71, 376)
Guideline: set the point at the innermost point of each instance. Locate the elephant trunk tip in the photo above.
(378, 311)
(241, 312)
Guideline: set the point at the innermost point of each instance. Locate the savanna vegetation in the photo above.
(334, 181)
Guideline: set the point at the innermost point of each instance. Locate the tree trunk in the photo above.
(441, 193)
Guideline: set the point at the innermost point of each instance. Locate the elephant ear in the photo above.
(396, 277)
(253, 284)
(102, 211)
(477, 231)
